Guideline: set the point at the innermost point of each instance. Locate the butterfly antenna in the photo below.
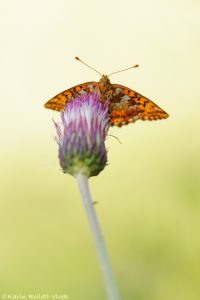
(77, 58)
(135, 66)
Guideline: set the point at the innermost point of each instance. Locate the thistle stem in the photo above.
(110, 286)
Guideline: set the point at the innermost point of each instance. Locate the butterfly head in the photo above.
(104, 79)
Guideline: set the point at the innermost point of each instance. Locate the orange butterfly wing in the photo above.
(59, 101)
(127, 106)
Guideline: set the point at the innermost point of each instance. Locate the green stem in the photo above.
(110, 286)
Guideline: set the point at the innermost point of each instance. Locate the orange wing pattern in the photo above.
(59, 101)
(127, 106)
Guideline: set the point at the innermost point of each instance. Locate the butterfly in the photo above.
(125, 105)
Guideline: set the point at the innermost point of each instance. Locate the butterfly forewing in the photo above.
(128, 106)
(59, 101)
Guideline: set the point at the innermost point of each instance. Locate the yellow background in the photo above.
(148, 195)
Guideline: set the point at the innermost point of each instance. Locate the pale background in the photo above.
(148, 195)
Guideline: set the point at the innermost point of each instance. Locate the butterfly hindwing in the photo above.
(59, 101)
(127, 106)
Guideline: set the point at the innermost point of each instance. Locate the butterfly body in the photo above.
(125, 105)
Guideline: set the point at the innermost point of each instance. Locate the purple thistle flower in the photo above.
(81, 135)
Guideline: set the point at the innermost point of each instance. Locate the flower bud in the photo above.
(81, 136)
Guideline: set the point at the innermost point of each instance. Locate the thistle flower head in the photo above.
(81, 135)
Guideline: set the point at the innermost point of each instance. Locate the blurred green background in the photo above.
(148, 196)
